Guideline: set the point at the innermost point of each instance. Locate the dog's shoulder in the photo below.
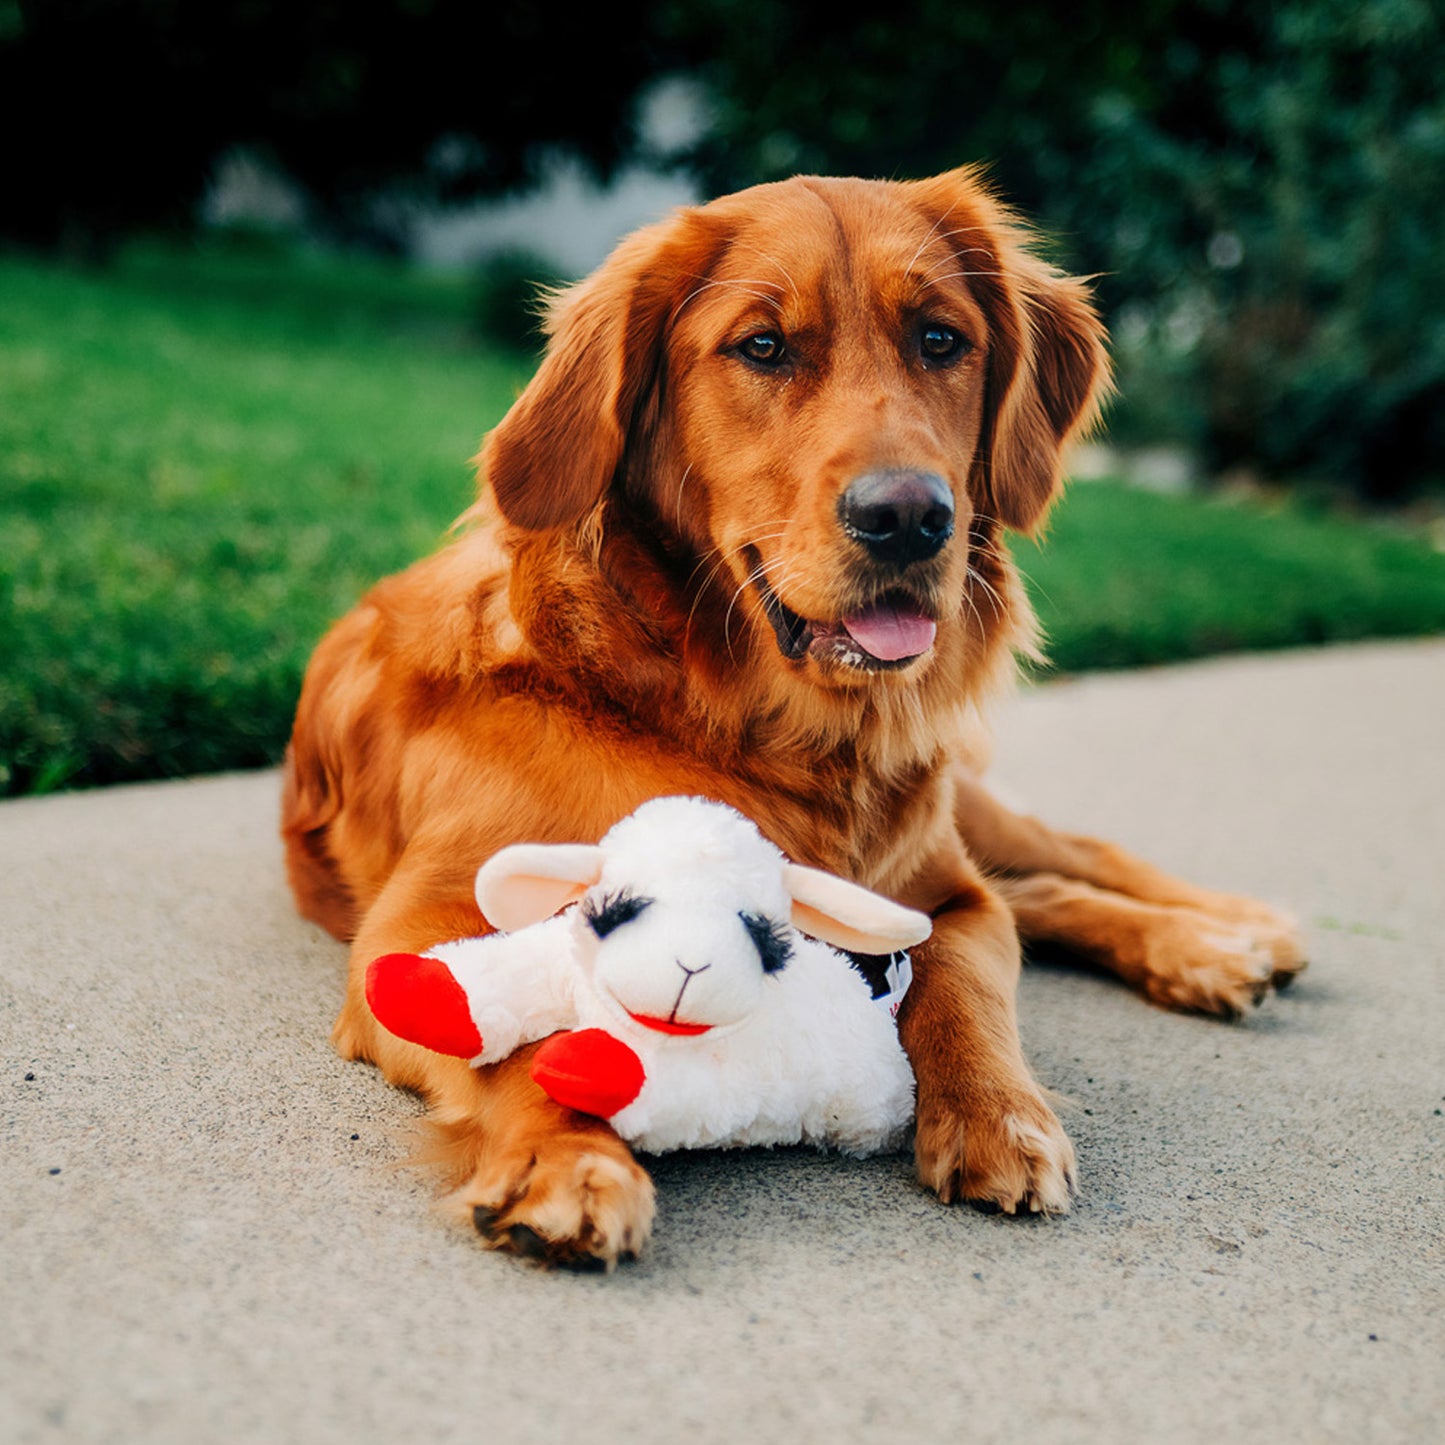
(447, 616)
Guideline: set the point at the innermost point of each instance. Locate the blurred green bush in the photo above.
(1278, 242)
(511, 290)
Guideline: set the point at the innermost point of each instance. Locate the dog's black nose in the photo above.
(899, 516)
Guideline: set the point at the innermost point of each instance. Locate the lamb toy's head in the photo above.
(684, 911)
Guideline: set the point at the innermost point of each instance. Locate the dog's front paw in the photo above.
(1004, 1150)
(580, 1203)
(1206, 964)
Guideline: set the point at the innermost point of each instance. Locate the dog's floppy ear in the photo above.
(551, 459)
(848, 916)
(527, 882)
(1048, 367)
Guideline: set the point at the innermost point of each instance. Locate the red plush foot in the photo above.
(417, 999)
(589, 1070)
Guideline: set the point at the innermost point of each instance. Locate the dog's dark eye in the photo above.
(771, 939)
(941, 343)
(612, 911)
(764, 349)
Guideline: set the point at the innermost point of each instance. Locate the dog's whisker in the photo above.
(931, 277)
(995, 598)
(932, 232)
(718, 565)
(677, 508)
(989, 550)
(994, 551)
(727, 616)
(954, 253)
(781, 523)
(962, 275)
(749, 287)
(958, 231)
(702, 588)
(973, 607)
(755, 575)
(720, 556)
(1033, 582)
(773, 261)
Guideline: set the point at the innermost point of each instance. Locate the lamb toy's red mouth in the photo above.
(668, 1026)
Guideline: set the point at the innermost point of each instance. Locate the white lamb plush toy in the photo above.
(683, 993)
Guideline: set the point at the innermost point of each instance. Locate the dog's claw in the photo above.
(586, 1264)
(526, 1242)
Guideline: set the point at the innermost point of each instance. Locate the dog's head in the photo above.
(819, 399)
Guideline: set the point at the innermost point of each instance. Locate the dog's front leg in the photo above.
(535, 1178)
(985, 1131)
(1181, 946)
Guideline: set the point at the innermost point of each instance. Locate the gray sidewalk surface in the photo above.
(206, 1237)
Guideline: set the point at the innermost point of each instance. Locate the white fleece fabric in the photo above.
(803, 1054)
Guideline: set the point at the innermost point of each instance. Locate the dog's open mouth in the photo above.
(891, 632)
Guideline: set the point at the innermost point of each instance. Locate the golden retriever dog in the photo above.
(743, 537)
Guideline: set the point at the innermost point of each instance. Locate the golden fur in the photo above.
(600, 634)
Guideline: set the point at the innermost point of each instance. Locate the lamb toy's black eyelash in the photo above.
(773, 943)
(612, 911)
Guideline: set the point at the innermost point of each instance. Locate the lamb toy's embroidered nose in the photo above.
(672, 1024)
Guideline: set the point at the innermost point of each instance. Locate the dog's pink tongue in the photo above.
(891, 632)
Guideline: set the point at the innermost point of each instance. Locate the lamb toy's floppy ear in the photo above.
(528, 882)
(848, 916)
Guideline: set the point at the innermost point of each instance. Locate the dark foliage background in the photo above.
(1259, 186)
(117, 109)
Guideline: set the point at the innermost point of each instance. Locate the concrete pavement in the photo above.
(205, 1237)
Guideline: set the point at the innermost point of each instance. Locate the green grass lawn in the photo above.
(1125, 578)
(205, 457)
(203, 462)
